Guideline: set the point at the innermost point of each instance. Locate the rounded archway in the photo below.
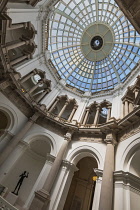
(134, 164)
(31, 160)
(81, 192)
(4, 122)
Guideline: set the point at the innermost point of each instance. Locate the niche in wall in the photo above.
(32, 161)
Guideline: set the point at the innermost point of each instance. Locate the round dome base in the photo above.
(97, 42)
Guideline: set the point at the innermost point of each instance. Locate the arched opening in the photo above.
(92, 114)
(3, 123)
(103, 115)
(32, 161)
(60, 104)
(81, 192)
(134, 165)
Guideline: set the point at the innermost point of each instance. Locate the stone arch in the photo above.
(129, 153)
(45, 137)
(105, 111)
(85, 151)
(11, 116)
(35, 85)
(31, 161)
(105, 103)
(92, 112)
(61, 108)
(77, 155)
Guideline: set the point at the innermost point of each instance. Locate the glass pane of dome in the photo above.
(93, 46)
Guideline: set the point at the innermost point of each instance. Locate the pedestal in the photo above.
(11, 198)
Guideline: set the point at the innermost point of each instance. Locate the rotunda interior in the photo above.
(69, 104)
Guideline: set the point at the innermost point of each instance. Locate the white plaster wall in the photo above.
(116, 106)
(39, 182)
(28, 66)
(27, 162)
(11, 160)
(123, 149)
(134, 200)
(19, 15)
(19, 118)
(37, 130)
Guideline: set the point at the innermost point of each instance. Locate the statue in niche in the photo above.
(22, 177)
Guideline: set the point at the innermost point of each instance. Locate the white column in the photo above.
(42, 95)
(106, 196)
(95, 204)
(42, 197)
(108, 114)
(130, 107)
(72, 113)
(51, 96)
(17, 60)
(35, 87)
(96, 116)
(86, 116)
(126, 107)
(54, 104)
(28, 76)
(16, 26)
(63, 109)
(18, 44)
(60, 191)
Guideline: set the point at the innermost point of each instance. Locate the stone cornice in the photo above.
(98, 172)
(69, 166)
(127, 178)
(101, 129)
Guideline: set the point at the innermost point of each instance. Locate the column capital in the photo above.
(58, 98)
(75, 106)
(43, 195)
(68, 136)
(136, 89)
(67, 102)
(98, 107)
(35, 71)
(40, 81)
(110, 139)
(34, 117)
(87, 108)
(47, 90)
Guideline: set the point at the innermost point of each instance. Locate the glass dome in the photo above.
(93, 46)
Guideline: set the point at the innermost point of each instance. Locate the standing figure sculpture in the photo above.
(22, 177)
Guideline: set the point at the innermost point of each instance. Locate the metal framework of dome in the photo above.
(93, 45)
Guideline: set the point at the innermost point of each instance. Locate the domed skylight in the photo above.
(93, 46)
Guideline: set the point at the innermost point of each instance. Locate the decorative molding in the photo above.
(69, 166)
(98, 172)
(50, 158)
(127, 178)
(131, 130)
(90, 139)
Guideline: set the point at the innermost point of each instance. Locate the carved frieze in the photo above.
(90, 139)
(129, 131)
